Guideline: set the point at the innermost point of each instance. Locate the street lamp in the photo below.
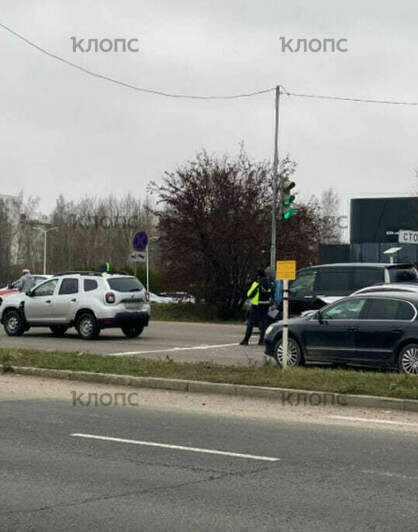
(392, 252)
(45, 231)
(149, 240)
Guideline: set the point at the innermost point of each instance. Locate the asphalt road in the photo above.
(179, 341)
(300, 471)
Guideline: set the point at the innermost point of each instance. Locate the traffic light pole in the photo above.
(273, 251)
(275, 182)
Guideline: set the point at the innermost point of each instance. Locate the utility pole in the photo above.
(45, 232)
(147, 257)
(275, 181)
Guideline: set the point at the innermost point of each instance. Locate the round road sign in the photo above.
(140, 241)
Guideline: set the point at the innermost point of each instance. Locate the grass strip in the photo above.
(192, 312)
(384, 384)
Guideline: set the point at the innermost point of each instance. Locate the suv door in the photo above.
(301, 291)
(38, 305)
(330, 335)
(65, 301)
(380, 330)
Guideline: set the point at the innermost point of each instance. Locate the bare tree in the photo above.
(5, 242)
(92, 231)
(330, 230)
(214, 224)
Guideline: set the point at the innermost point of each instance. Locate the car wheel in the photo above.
(294, 353)
(408, 359)
(87, 326)
(133, 332)
(14, 324)
(58, 330)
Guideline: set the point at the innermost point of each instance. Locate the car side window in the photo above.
(46, 289)
(303, 285)
(405, 311)
(388, 309)
(68, 286)
(39, 278)
(367, 277)
(349, 309)
(334, 282)
(89, 285)
(402, 275)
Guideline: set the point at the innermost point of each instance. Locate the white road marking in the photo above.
(170, 350)
(177, 447)
(371, 420)
(388, 474)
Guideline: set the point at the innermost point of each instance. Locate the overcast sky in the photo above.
(64, 132)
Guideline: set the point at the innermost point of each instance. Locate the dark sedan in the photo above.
(375, 330)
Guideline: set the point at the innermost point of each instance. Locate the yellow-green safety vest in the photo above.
(254, 298)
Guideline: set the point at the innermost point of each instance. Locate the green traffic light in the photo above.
(289, 200)
(289, 213)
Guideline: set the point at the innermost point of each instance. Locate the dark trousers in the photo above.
(257, 318)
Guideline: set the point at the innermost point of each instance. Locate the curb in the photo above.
(286, 396)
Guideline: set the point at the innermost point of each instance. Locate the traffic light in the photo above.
(287, 198)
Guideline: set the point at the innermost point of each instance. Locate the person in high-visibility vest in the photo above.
(261, 293)
(105, 267)
(274, 313)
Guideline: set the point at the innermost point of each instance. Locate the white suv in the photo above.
(89, 301)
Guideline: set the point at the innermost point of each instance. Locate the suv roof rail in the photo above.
(95, 274)
(119, 273)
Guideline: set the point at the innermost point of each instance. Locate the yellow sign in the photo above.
(286, 270)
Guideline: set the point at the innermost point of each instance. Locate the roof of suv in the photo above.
(92, 274)
(364, 265)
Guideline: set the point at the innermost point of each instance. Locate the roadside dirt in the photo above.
(20, 388)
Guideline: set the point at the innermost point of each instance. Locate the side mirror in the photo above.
(318, 316)
(29, 293)
(309, 313)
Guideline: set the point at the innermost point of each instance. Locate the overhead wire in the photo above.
(167, 94)
(130, 85)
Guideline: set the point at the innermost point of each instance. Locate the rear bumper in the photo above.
(125, 319)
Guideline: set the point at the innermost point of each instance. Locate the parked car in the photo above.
(155, 298)
(179, 297)
(317, 286)
(9, 289)
(376, 330)
(88, 301)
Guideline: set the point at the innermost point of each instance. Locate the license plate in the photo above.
(132, 306)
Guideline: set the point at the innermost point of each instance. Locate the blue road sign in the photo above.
(140, 241)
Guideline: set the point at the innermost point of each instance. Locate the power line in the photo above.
(198, 97)
(129, 85)
(348, 99)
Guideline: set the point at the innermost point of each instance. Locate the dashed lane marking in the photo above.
(371, 420)
(171, 350)
(388, 474)
(176, 447)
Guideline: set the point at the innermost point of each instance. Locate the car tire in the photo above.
(132, 332)
(87, 326)
(408, 359)
(14, 324)
(58, 330)
(294, 353)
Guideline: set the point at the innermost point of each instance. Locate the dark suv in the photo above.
(317, 286)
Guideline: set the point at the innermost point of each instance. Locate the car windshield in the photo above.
(125, 284)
